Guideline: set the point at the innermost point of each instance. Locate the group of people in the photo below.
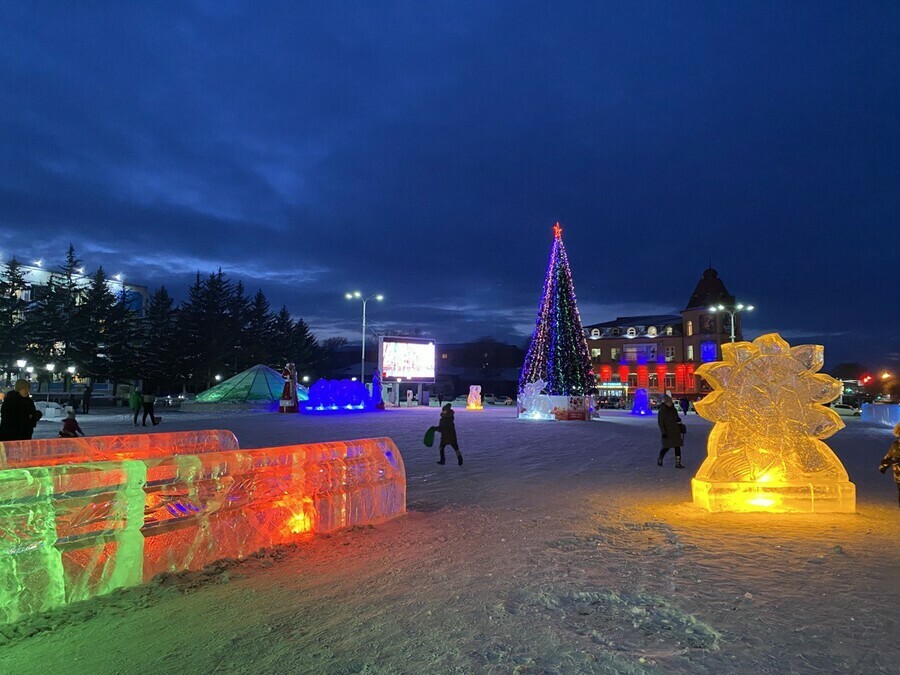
(19, 416)
(143, 401)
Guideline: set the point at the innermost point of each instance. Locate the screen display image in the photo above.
(406, 359)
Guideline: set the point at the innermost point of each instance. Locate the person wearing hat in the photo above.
(70, 426)
(447, 429)
(18, 416)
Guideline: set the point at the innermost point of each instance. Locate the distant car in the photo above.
(846, 410)
(489, 399)
(503, 400)
(462, 398)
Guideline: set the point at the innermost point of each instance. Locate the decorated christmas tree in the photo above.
(558, 353)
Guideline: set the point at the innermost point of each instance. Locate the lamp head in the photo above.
(721, 306)
(749, 308)
(713, 309)
(379, 298)
(357, 294)
(349, 296)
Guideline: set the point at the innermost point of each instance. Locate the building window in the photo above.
(707, 351)
(614, 354)
(595, 334)
(631, 332)
(708, 324)
(670, 381)
(669, 330)
(653, 380)
(616, 331)
(690, 328)
(595, 353)
(690, 354)
(670, 354)
(632, 380)
(651, 331)
(443, 356)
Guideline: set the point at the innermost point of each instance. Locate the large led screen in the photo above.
(407, 359)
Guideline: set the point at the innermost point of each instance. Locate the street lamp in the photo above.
(356, 295)
(50, 368)
(731, 311)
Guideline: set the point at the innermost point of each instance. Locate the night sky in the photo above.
(424, 151)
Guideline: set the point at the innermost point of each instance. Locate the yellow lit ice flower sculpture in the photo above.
(764, 452)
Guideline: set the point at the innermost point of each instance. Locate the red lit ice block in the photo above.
(74, 531)
(50, 451)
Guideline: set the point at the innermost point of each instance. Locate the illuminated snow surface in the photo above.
(559, 547)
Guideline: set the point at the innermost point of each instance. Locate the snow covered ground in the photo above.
(556, 548)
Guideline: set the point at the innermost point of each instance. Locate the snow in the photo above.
(559, 547)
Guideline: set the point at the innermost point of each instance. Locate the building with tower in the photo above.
(661, 352)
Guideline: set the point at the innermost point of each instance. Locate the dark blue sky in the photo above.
(424, 150)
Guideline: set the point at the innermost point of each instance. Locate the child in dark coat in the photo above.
(447, 429)
(892, 458)
(70, 427)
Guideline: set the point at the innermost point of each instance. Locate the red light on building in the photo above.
(606, 373)
(623, 374)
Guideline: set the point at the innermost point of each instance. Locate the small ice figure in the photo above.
(534, 402)
(474, 400)
(641, 403)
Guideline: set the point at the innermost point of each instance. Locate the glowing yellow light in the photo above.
(764, 452)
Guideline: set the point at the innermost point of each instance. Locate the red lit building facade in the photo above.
(661, 353)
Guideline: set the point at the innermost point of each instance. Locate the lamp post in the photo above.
(356, 295)
(732, 312)
(50, 368)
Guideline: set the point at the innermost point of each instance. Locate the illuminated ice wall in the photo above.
(765, 452)
(117, 516)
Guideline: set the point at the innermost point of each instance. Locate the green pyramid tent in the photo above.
(258, 384)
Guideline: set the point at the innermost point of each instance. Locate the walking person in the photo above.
(148, 399)
(684, 404)
(86, 400)
(447, 429)
(892, 458)
(135, 402)
(18, 416)
(672, 431)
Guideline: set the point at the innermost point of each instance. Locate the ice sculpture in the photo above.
(534, 403)
(336, 396)
(473, 402)
(50, 451)
(764, 452)
(641, 405)
(71, 531)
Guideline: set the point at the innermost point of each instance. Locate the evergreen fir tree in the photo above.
(71, 290)
(558, 352)
(158, 353)
(260, 326)
(96, 315)
(282, 338)
(304, 347)
(12, 314)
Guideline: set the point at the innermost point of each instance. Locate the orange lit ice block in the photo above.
(48, 451)
(73, 531)
(765, 452)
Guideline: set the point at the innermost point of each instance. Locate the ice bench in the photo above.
(73, 530)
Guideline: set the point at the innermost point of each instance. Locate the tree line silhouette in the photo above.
(86, 322)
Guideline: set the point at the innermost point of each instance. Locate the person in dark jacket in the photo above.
(18, 416)
(892, 459)
(684, 404)
(86, 400)
(447, 429)
(149, 398)
(670, 428)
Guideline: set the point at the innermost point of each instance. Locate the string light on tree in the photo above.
(558, 352)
